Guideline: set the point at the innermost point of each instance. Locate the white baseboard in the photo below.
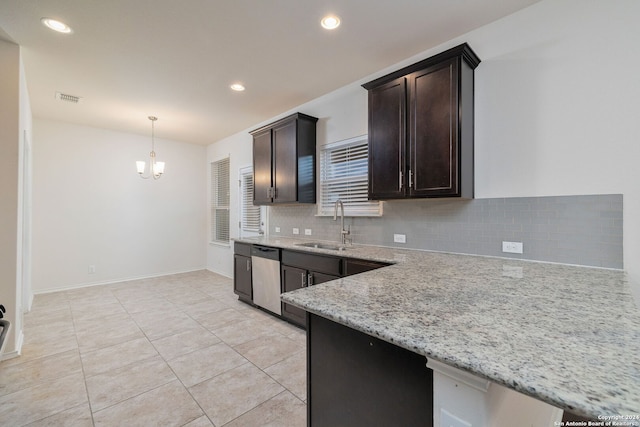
(17, 352)
(111, 281)
(220, 273)
(30, 302)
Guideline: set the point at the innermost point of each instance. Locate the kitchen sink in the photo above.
(321, 245)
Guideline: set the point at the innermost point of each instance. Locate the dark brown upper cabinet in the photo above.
(421, 128)
(284, 161)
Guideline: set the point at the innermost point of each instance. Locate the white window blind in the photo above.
(220, 201)
(250, 215)
(344, 168)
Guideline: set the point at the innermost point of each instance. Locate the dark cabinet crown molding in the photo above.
(284, 120)
(464, 50)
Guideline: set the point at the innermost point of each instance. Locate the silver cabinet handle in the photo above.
(310, 279)
(410, 178)
(249, 265)
(302, 279)
(272, 193)
(400, 180)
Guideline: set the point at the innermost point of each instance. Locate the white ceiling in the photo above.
(129, 59)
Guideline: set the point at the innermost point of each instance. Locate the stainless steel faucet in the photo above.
(343, 233)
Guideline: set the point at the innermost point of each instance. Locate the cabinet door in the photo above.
(293, 278)
(262, 167)
(285, 163)
(316, 278)
(358, 380)
(242, 277)
(433, 131)
(387, 106)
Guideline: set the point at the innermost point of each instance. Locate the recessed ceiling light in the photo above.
(238, 87)
(56, 25)
(330, 22)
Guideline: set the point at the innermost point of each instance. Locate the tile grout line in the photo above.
(84, 376)
(204, 413)
(285, 389)
(218, 291)
(129, 364)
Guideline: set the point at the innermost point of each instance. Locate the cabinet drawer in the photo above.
(242, 248)
(355, 266)
(319, 263)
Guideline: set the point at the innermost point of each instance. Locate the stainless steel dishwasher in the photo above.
(265, 274)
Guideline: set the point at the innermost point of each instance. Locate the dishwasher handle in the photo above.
(265, 252)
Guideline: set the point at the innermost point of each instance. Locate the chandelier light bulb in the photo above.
(158, 168)
(141, 165)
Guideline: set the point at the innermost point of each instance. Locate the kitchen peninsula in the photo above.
(565, 335)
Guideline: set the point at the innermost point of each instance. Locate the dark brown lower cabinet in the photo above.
(301, 269)
(242, 285)
(242, 278)
(295, 278)
(354, 380)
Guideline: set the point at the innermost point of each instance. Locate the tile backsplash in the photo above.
(583, 230)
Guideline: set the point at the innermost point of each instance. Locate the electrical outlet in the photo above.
(92, 269)
(512, 247)
(307, 232)
(277, 229)
(296, 231)
(400, 238)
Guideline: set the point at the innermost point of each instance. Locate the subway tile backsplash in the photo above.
(583, 230)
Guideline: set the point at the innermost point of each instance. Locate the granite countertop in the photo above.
(566, 335)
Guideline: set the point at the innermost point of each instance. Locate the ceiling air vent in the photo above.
(67, 98)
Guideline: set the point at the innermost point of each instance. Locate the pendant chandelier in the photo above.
(156, 169)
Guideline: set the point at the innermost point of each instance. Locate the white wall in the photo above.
(91, 208)
(238, 148)
(558, 101)
(557, 106)
(342, 114)
(9, 178)
(24, 294)
(15, 123)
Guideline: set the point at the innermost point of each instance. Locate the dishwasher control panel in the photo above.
(265, 252)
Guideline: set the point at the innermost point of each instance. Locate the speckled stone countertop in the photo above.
(566, 335)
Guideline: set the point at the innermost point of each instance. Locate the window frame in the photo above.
(325, 204)
(220, 203)
(246, 203)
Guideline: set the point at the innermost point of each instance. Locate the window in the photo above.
(250, 215)
(344, 168)
(220, 201)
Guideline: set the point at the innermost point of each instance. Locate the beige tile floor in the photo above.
(176, 350)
